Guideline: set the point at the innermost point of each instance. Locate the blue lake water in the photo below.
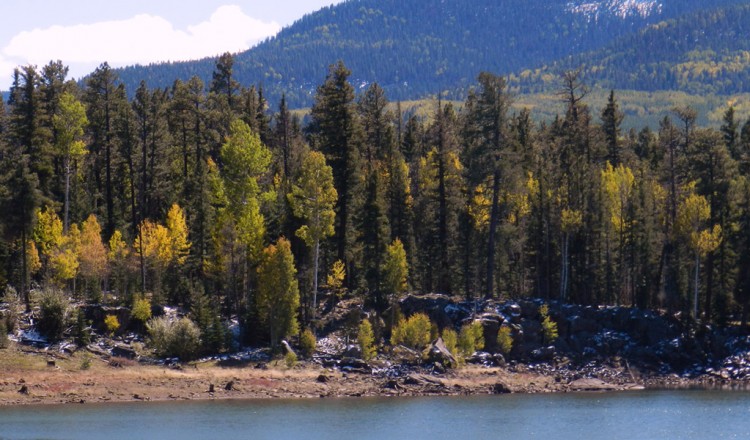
(632, 415)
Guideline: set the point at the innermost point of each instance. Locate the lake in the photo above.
(631, 415)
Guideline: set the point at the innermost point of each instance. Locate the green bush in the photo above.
(414, 332)
(549, 327)
(290, 359)
(179, 338)
(505, 340)
(81, 330)
(141, 310)
(85, 361)
(53, 318)
(3, 333)
(450, 339)
(471, 338)
(307, 343)
(366, 340)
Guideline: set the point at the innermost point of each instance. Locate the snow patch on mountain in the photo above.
(594, 10)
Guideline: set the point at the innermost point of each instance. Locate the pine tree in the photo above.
(335, 130)
(611, 121)
(491, 156)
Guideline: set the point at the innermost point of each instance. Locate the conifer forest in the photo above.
(201, 196)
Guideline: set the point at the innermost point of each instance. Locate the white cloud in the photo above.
(142, 39)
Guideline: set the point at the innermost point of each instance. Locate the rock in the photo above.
(501, 388)
(24, 389)
(352, 365)
(512, 310)
(353, 351)
(124, 352)
(288, 347)
(439, 353)
(591, 384)
(422, 380)
(406, 355)
(434, 305)
(544, 354)
(498, 359)
(481, 357)
(393, 384)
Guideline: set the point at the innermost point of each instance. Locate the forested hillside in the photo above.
(211, 202)
(416, 48)
(705, 52)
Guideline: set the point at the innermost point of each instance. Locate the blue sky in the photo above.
(85, 33)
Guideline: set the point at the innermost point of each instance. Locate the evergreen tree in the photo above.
(335, 130)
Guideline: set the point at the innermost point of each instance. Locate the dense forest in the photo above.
(705, 52)
(418, 48)
(202, 197)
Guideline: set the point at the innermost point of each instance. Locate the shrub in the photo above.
(471, 338)
(141, 309)
(307, 343)
(112, 324)
(10, 297)
(505, 340)
(450, 339)
(413, 332)
(54, 308)
(549, 327)
(3, 333)
(179, 338)
(290, 359)
(366, 340)
(81, 330)
(85, 361)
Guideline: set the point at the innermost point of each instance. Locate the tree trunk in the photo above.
(67, 195)
(494, 220)
(695, 287)
(25, 270)
(315, 280)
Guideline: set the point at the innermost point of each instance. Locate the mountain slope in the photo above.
(418, 47)
(706, 52)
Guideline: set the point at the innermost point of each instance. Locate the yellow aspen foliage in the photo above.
(48, 232)
(278, 291)
(618, 184)
(395, 269)
(692, 213)
(707, 240)
(571, 219)
(93, 254)
(337, 275)
(154, 244)
(34, 264)
(118, 249)
(178, 234)
(480, 206)
(64, 261)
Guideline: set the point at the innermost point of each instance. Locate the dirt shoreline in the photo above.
(32, 379)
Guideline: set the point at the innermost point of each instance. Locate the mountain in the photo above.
(704, 52)
(414, 48)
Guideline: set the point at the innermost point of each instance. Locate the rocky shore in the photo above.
(598, 349)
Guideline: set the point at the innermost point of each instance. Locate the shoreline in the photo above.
(27, 379)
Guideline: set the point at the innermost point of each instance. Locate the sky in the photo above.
(85, 33)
